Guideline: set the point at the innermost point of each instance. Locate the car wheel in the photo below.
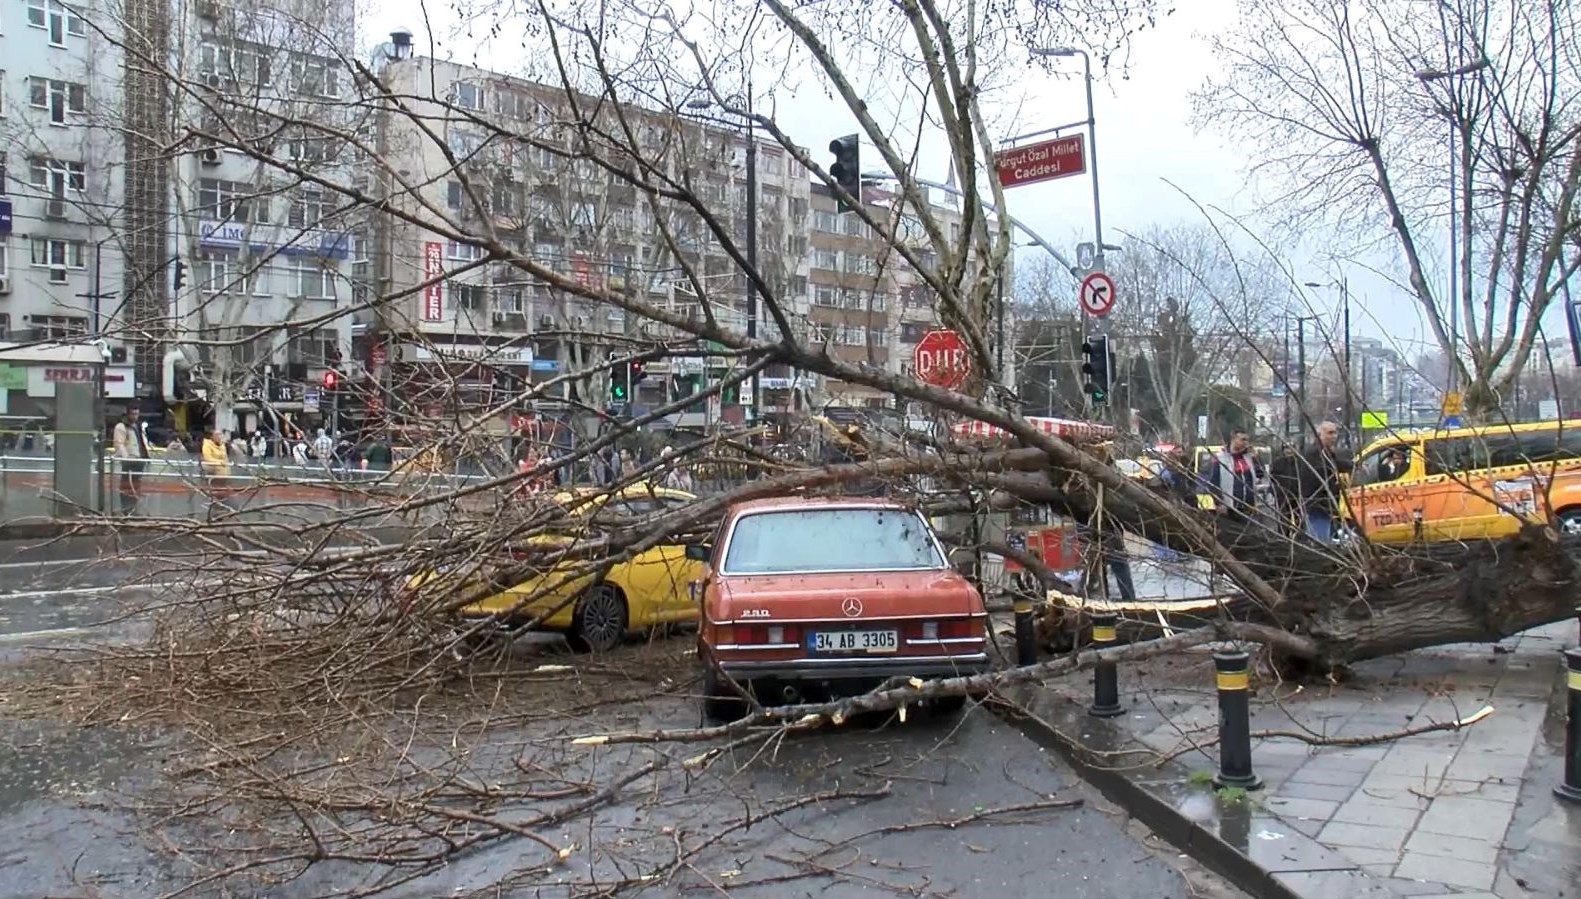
(599, 622)
(721, 704)
(1570, 522)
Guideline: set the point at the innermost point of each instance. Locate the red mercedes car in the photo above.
(810, 597)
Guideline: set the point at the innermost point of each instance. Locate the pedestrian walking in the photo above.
(377, 455)
(131, 454)
(216, 467)
(1321, 466)
(323, 447)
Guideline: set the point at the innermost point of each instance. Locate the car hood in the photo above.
(879, 594)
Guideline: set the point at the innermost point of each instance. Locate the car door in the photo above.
(682, 577)
(1379, 498)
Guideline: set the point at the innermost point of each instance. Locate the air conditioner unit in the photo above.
(209, 156)
(499, 318)
(5, 285)
(214, 81)
(55, 209)
(546, 321)
(118, 355)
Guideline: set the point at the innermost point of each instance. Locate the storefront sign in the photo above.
(12, 377)
(444, 352)
(41, 379)
(433, 294)
(328, 244)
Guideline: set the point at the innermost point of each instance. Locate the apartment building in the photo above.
(61, 178)
(264, 258)
(480, 152)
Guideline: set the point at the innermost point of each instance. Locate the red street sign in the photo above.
(1043, 161)
(941, 359)
(1096, 295)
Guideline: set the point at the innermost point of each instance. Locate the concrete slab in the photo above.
(1447, 846)
(1455, 872)
(1364, 811)
(1290, 808)
(1342, 833)
(1463, 816)
(1335, 885)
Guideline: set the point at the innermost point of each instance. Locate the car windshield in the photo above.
(808, 540)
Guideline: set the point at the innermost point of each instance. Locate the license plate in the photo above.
(853, 641)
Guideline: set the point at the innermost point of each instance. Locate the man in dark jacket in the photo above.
(1285, 478)
(1321, 465)
(1231, 475)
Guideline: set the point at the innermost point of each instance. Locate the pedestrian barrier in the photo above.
(1106, 676)
(1570, 790)
(1233, 679)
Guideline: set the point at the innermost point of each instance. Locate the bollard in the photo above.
(1571, 789)
(1235, 721)
(1106, 676)
(1578, 615)
(1026, 638)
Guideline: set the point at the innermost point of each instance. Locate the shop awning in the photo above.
(1064, 428)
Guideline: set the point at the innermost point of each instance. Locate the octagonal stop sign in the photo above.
(941, 360)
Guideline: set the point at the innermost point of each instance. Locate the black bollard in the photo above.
(1106, 676)
(1026, 638)
(1235, 721)
(1578, 615)
(1571, 789)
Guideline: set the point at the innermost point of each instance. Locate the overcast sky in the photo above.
(1150, 157)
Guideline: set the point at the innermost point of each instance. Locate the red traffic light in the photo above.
(330, 379)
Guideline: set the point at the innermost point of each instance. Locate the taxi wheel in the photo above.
(721, 705)
(599, 622)
(1570, 521)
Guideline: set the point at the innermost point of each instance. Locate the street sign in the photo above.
(941, 359)
(1043, 161)
(1374, 419)
(1452, 405)
(1086, 255)
(1097, 294)
(1547, 410)
(1451, 421)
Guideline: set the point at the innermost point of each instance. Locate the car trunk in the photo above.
(877, 595)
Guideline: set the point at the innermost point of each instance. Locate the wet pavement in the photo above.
(1467, 813)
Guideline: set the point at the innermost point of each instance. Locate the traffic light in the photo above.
(1095, 368)
(181, 274)
(635, 372)
(846, 169)
(619, 380)
(331, 378)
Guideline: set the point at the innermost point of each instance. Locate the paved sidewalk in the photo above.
(1465, 813)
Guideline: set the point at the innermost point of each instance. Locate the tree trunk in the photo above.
(1366, 601)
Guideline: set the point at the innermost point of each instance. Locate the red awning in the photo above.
(1064, 428)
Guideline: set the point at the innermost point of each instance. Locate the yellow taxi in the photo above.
(653, 587)
(1480, 482)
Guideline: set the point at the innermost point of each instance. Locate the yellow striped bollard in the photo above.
(1232, 677)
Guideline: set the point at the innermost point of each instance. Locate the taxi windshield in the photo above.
(824, 540)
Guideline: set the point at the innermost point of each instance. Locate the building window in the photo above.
(310, 208)
(56, 177)
(5, 326)
(59, 97)
(859, 264)
(5, 251)
(855, 227)
(468, 95)
(318, 347)
(464, 252)
(467, 296)
(826, 221)
(311, 149)
(509, 301)
(826, 259)
(54, 17)
(454, 195)
(773, 163)
(238, 65)
(59, 327)
(231, 201)
(826, 295)
(217, 270)
(310, 278)
(315, 78)
(57, 256)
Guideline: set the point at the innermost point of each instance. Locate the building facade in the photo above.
(481, 153)
(61, 200)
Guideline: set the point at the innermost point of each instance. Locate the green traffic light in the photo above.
(617, 392)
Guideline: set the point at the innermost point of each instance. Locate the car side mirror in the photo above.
(699, 552)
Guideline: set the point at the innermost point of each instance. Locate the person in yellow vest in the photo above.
(216, 460)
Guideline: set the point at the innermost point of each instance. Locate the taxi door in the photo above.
(660, 577)
(1381, 501)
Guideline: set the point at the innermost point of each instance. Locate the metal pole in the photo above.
(1350, 406)
(1097, 206)
(1301, 371)
(1454, 263)
(1051, 391)
(1232, 678)
(1284, 376)
(1570, 789)
(1105, 674)
(752, 247)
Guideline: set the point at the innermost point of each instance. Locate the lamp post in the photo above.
(752, 235)
(1427, 77)
(1344, 295)
(1301, 371)
(1092, 144)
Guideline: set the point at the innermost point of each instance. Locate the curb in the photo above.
(1202, 843)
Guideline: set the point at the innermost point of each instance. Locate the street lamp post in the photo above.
(1350, 407)
(752, 236)
(1092, 145)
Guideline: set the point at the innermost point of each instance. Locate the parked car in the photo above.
(810, 596)
(652, 588)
